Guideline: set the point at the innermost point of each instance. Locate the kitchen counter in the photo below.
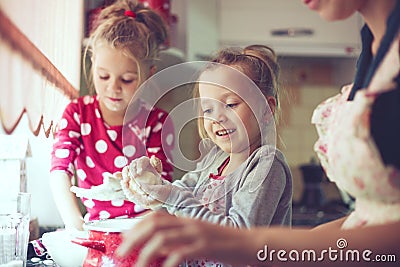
(313, 216)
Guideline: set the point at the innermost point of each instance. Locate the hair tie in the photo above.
(130, 13)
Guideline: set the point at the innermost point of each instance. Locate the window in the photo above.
(40, 51)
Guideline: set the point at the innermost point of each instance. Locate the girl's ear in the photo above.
(271, 103)
(153, 70)
(269, 114)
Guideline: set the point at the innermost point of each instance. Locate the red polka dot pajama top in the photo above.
(84, 143)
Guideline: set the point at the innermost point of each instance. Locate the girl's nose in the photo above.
(115, 85)
(219, 116)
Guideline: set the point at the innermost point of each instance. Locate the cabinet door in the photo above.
(255, 21)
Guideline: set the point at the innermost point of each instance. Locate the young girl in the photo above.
(89, 142)
(244, 181)
(359, 143)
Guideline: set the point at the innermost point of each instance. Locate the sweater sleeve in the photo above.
(256, 197)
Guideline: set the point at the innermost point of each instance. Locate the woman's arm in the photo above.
(163, 235)
(335, 224)
(66, 201)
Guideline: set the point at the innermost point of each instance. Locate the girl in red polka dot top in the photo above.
(88, 142)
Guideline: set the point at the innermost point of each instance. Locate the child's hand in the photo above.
(145, 170)
(109, 190)
(141, 174)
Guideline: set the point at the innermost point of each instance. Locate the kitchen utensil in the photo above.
(62, 250)
(104, 239)
(14, 228)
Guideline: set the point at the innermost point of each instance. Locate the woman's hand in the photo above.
(174, 239)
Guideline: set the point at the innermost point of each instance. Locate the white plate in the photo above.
(112, 225)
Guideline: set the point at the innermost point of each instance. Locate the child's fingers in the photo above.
(125, 173)
(142, 164)
(117, 175)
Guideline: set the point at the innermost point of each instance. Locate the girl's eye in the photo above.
(130, 80)
(231, 105)
(103, 77)
(207, 111)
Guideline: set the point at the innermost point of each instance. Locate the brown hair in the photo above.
(141, 36)
(259, 63)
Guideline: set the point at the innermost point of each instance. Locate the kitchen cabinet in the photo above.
(200, 20)
(288, 26)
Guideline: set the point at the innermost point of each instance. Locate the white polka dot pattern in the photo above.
(97, 112)
(93, 149)
(89, 162)
(112, 134)
(104, 214)
(153, 150)
(129, 150)
(76, 118)
(81, 174)
(117, 202)
(71, 167)
(61, 153)
(157, 127)
(147, 131)
(138, 208)
(86, 129)
(169, 139)
(87, 100)
(89, 203)
(120, 161)
(101, 146)
(73, 134)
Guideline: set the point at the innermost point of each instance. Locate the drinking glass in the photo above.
(14, 229)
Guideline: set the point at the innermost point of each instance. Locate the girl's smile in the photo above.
(225, 133)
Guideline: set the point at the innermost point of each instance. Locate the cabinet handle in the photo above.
(292, 32)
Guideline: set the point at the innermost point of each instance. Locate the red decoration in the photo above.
(130, 13)
(162, 7)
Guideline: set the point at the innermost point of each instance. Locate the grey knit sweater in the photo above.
(258, 192)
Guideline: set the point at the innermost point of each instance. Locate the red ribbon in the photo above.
(130, 13)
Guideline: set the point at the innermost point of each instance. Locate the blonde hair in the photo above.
(259, 63)
(140, 36)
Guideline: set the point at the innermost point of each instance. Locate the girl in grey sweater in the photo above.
(244, 180)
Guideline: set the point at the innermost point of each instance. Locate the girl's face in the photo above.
(332, 10)
(115, 77)
(228, 120)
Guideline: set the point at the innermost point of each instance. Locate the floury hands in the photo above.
(127, 184)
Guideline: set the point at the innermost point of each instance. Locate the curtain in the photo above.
(40, 59)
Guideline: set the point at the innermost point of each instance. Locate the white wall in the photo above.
(56, 29)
